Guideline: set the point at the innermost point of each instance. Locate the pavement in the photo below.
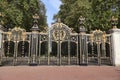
(59, 73)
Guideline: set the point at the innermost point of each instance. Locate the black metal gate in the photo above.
(59, 45)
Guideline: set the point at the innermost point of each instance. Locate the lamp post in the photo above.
(82, 41)
(34, 40)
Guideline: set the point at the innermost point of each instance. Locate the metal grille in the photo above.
(58, 45)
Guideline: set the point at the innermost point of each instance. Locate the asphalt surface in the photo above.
(59, 73)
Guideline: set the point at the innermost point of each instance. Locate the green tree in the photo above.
(102, 11)
(70, 11)
(18, 13)
(97, 13)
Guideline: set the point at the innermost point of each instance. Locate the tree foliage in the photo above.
(102, 11)
(97, 13)
(18, 13)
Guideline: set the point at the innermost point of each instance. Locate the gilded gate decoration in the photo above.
(15, 45)
(57, 45)
(99, 47)
(62, 37)
(57, 34)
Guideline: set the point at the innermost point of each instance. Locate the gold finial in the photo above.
(23, 36)
(59, 20)
(36, 16)
(0, 14)
(114, 22)
(9, 34)
(104, 36)
(114, 27)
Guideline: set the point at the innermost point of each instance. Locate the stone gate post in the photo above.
(115, 40)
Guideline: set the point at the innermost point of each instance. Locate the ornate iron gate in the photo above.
(99, 48)
(15, 46)
(64, 45)
(59, 45)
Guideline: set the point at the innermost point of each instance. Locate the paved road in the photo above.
(59, 73)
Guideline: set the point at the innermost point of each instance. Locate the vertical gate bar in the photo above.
(98, 51)
(58, 53)
(100, 54)
(39, 49)
(14, 52)
(92, 48)
(2, 48)
(29, 57)
(29, 53)
(84, 49)
(69, 51)
(80, 54)
(104, 44)
(31, 48)
(59, 42)
(34, 53)
(86, 43)
(34, 49)
(77, 50)
(23, 46)
(110, 46)
(8, 50)
(48, 49)
(17, 51)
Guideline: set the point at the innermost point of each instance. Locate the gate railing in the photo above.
(99, 47)
(15, 45)
(21, 47)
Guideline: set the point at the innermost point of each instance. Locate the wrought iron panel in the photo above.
(62, 35)
(58, 45)
(99, 48)
(59, 31)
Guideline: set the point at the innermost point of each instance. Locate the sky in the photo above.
(52, 8)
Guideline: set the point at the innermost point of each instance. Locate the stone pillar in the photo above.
(115, 46)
